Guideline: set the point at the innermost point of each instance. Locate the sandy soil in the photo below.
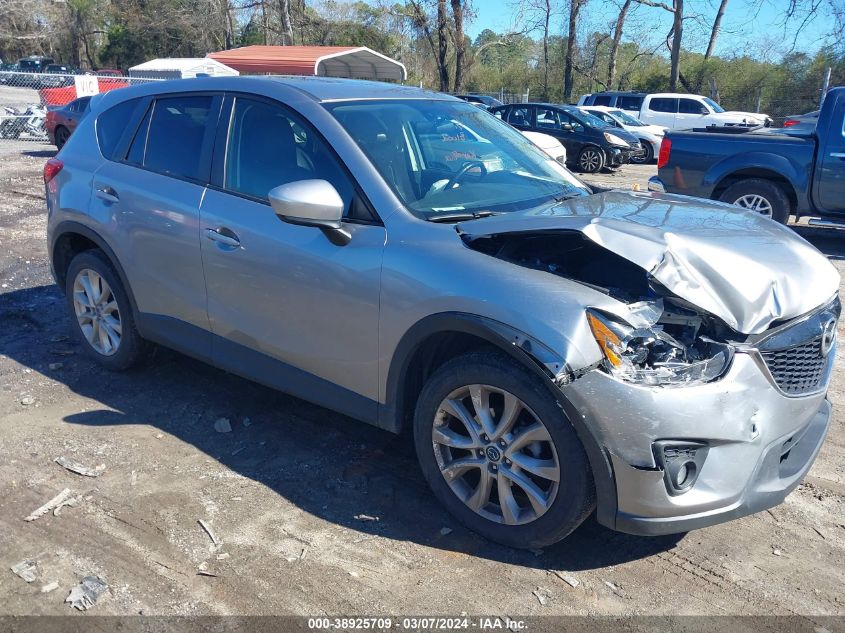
(282, 490)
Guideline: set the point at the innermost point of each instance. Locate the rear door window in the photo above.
(111, 125)
(662, 104)
(178, 128)
(629, 103)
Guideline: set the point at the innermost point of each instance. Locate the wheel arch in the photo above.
(778, 169)
(440, 337)
(71, 238)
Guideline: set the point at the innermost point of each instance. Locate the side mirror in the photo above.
(311, 203)
(566, 127)
(704, 110)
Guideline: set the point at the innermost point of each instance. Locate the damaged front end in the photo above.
(662, 340)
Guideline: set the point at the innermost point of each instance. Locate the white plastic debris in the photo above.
(222, 425)
(52, 586)
(365, 517)
(84, 595)
(27, 400)
(543, 596)
(205, 526)
(80, 469)
(569, 580)
(53, 503)
(26, 569)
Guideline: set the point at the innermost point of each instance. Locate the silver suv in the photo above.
(409, 260)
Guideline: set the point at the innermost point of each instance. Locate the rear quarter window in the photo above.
(111, 124)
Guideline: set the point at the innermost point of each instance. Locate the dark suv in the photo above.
(591, 144)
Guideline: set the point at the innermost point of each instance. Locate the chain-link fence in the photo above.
(26, 100)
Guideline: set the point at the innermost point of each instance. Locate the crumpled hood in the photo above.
(741, 267)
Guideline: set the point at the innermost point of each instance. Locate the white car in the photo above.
(678, 111)
(548, 144)
(650, 135)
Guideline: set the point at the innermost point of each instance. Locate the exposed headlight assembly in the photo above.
(651, 356)
(615, 140)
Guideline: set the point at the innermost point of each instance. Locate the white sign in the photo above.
(86, 85)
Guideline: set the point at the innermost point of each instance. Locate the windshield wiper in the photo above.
(457, 217)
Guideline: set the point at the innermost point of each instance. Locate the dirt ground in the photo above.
(282, 491)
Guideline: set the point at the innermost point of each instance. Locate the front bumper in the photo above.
(744, 419)
(617, 156)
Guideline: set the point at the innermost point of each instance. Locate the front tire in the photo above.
(591, 159)
(761, 196)
(499, 453)
(101, 312)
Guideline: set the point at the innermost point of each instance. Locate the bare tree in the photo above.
(575, 7)
(617, 39)
(673, 39)
(717, 26)
(460, 44)
(442, 45)
(287, 25)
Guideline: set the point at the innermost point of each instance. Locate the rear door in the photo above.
(287, 306)
(660, 111)
(149, 196)
(829, 183)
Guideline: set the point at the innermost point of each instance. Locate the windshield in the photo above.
(445, 158)
(716, 107)
(627, 119)
(590, 120)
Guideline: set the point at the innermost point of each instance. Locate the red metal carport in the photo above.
(324, 61)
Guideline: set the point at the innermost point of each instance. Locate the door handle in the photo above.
(223, 236)
(107, 193)
(839, 155)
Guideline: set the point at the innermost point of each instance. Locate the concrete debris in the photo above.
(569, 580)
(777, 552)
(223, 556)
(354, 574)
(52, 586)
(80, 469)
(27, 400)
(26, 569)
(85, 594)
(205, 526)
(365, 517)
(55, 366)
(543, 596)
(52, 504)
(204, 572)
(67, 503)
(222, 425)
(445, 531)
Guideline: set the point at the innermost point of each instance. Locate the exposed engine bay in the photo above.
(667, 341)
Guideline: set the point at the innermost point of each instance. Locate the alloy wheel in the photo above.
(756, 203)
(495, 454)
(590, 160)
(97, 312)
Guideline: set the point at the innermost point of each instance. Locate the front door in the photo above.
(829, 187)
(288, 307)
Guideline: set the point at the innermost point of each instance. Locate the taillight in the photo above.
(790, 123)
(665, 150)
(51, 169)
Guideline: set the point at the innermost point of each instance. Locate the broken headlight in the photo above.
(653, 356)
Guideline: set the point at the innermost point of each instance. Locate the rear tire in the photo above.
(762, 196)
(536, 463)
(62, 134)
(101, 312)
(591, 159)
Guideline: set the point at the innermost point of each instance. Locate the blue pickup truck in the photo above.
(775, 172)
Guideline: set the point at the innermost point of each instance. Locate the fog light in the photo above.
(681, 462)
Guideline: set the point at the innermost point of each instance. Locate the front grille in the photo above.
(798, 369)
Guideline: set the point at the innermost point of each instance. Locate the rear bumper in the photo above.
(776, 474)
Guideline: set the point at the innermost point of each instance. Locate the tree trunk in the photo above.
(442, 45)
(678, 31)
(287, 26)
(617, 39)
(568, 62)
(717, 26)
(460, 44)
(546, 49)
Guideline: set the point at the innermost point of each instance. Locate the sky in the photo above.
(750, 27)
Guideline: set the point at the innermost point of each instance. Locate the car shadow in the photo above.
(831, 242)
(40, 153)
(328, 465)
